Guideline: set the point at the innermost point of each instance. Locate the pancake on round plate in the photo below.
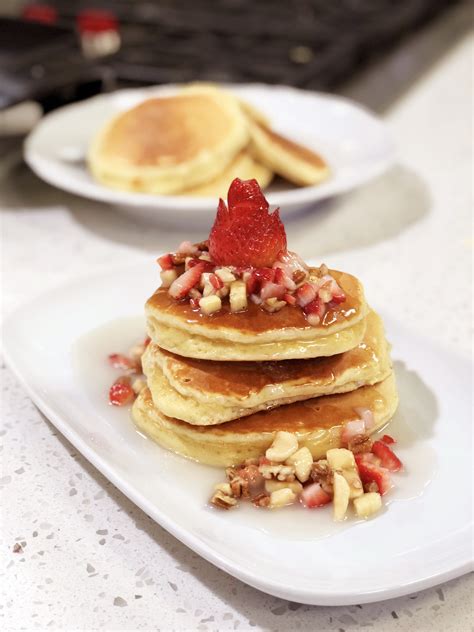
(288, 159)
(169, 143)
(317, 424)
(255, 334)
(204, 392)
(244, 166)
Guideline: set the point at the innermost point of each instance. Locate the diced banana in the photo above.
(138, 385)
(273, 304)
(367, 504)
(272, 486)
(342, 461)
(208, 290)
(341, 496)
(167, 277)
(225, 275)
(281, 497)
(302, 460)
(210, 304)
(238, 296)
(284, 445)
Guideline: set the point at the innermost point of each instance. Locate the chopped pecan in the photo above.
(360, 444)
(323, 269)
(262, 500)
(278, 470)
(299, 276)
(223, 500)
(321, 473)
(203, 246)
(178, 258)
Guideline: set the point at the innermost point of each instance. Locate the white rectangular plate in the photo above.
(421, 539)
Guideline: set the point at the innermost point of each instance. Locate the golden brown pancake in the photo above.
(292, 161)
(204, 392)
(316, 422)
(167, 144)
(243, 166)
(255, 334)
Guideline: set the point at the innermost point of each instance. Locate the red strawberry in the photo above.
(351, 430)
(147, 341)
(317, 306)
(181, 286)
(121, 392)
(371, 473)
(388, 458)
(271, 290)
(305, 294)
(120, 361)
(245, 233)
(216, 282)
(290, 299)
(247, 192)
(314, 496)
(166, 262)
(388, 439)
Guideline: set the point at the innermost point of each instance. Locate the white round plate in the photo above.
(354, 142)
(422, 538)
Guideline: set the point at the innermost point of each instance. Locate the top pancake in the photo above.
(166, 144)
(255, 334)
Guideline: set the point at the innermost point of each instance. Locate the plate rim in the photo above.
(328, 597)
(301, 196)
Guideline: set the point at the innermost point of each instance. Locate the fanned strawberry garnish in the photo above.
(244, 232)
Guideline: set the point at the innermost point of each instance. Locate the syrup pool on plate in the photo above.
(95, 375)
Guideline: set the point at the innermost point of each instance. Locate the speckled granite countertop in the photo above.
(88, 559)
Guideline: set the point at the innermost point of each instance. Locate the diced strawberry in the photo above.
(351, 430)
(208, 266)
(289, 298)
(338, 298)
(264, 461)
(388, 458)
(147, 341)
(367, 416)
(216, 282)
(121, 392)
(371, 473)
(181, 286)
(271, 290)
(245, 233)
(120, 361)
(165, 262)
(305, 294)
(194, 302)
(314, 496)
(388, 439)
(282, 278)
(316, 306)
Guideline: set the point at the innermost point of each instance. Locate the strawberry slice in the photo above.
(216, 282)
(388, 458)
(314, 496)
(245, 233)
(181, 286)
(388, 439)
(371, 473)
(121, 392)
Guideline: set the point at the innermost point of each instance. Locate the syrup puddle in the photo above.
(417, 409)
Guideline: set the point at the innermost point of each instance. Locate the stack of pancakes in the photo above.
(195, 143)
(220, 387)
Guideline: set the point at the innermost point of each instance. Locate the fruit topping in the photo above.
(121, 392)
(244, 232)
(247, 245)
(288, 473)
